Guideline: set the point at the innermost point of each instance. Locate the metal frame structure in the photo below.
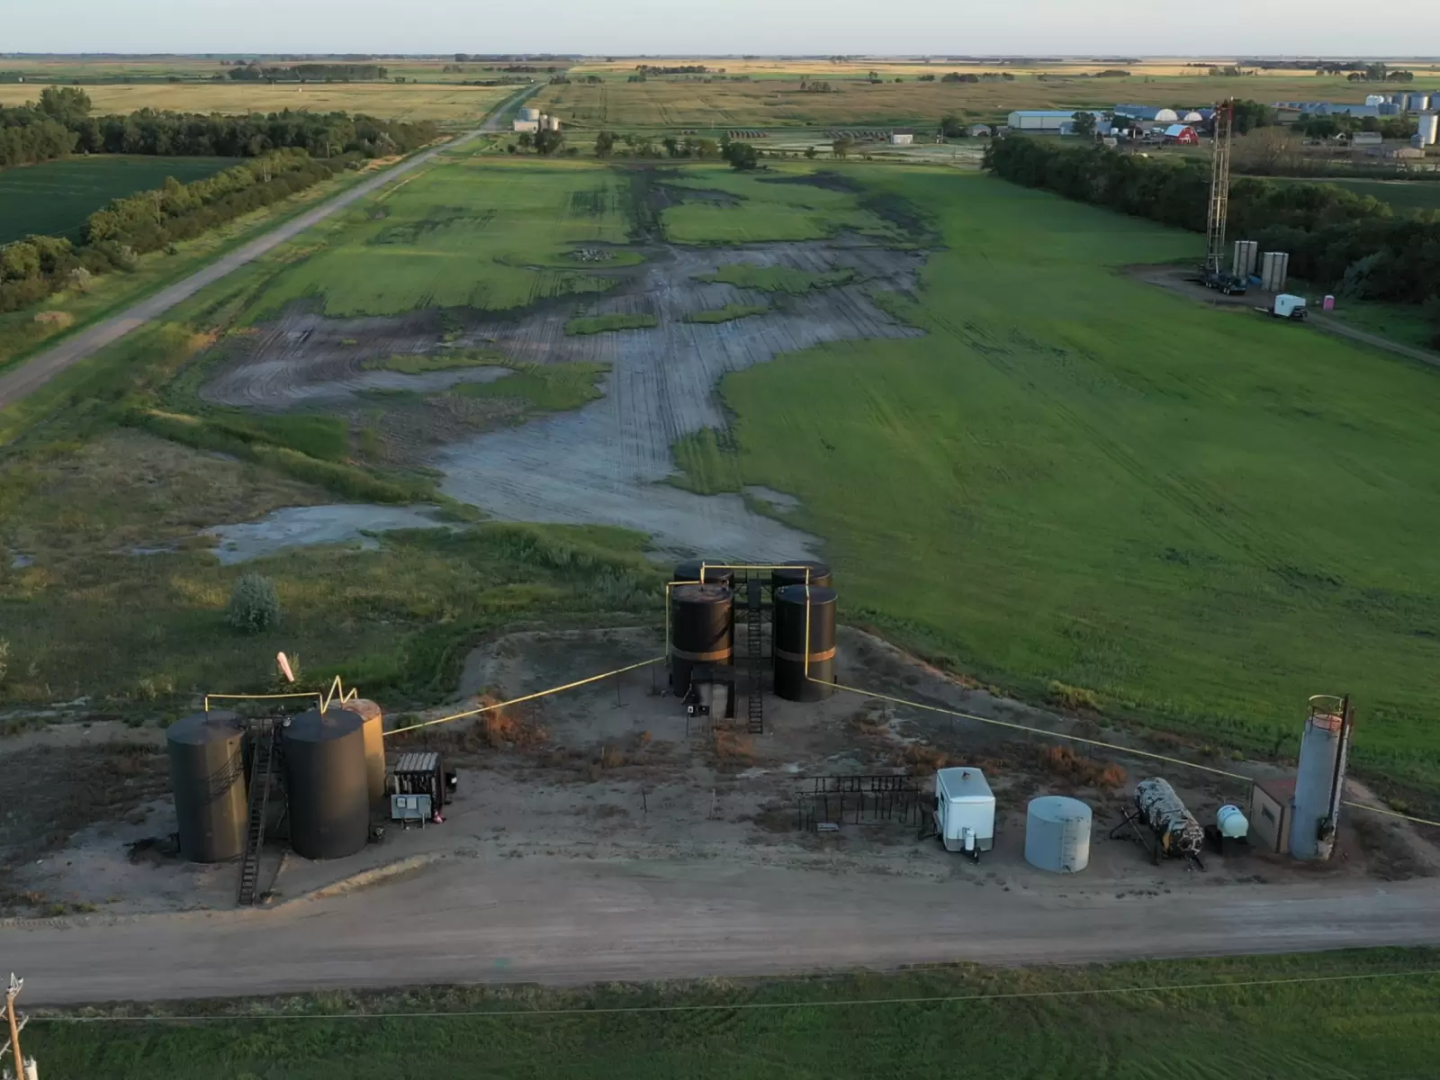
(1219, 211)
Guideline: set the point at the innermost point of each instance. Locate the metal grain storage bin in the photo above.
(1057, 834)
(819, 575)
(207, 773)
(790, 610)
(701, 630)
(1314, 782)
(1427, 128)
(327, 783)
(689, 570)
(374, 735)
(529, 114)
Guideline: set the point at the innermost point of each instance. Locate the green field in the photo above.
(1349, 1020)
(766, 207)
(1403, 195)
(55, 198)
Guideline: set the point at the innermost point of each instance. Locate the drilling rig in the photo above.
(1213, 274)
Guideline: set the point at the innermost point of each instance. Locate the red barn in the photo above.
(1181, 135)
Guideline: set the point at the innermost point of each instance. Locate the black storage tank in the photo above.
(701, 625)
(819, 575)
(714, 575)
(327, 783)
(790, 680)
(207, 772)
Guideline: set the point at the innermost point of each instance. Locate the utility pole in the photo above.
(16, 985)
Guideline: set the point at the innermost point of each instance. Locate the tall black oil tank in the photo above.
(207, 773)
(327, 783)
(790, 603)
(701, 623)
(714, 575)
(819, 575)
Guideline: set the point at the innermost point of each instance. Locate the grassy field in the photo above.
(482, 231)
(1064, 1024)
(728, 313)
(55, 198)
(1403, 195)
(1200, 517)
(766, 207)
(451, 105)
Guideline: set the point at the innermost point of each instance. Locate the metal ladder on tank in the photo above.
(753, 645)
(267, 751)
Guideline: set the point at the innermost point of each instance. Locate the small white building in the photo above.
(531, 126)
(1366, 138)
(979, 131)
(964, 811)
(1051, 120)
(902, 137)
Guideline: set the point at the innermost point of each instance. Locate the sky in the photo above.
(1221, 28)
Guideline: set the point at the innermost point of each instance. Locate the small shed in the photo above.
(530, 126)
(1366, 138)
(979, 131)
(1182, 135)
(902, 137)
(1270, 805)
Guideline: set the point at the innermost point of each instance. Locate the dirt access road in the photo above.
(30, 376)
(579, 921)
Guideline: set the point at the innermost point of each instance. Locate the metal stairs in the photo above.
(753, 648)
(267, 753)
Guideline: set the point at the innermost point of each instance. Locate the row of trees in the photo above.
(28, 137)
(114, 236)
(608, 144)
(258, 72)
(1336, 238)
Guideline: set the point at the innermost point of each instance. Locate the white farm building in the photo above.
(1040, 120)
(902, 137)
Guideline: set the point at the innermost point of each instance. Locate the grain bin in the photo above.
(701, 631)
(792, 604)
(327, 783)
(1427, 129)
(207, 773)
(529, 114)
(1057, 834)
(1318, 780)
(689, 570)
(374, 733)
(795, 574)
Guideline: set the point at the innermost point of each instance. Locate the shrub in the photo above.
(253, 605)
(1073, 698)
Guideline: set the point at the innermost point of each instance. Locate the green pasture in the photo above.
(1328, 1017)
(728, 313)
(1403, 195)
(1200, 516)
(476, 231)
(55, 197)
(778, 279)
(768, 206)
(604, 324)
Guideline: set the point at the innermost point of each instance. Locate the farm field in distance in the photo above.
(54, 198)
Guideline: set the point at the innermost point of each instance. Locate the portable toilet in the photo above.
(964, 811)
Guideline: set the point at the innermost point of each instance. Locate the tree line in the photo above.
(257, 72)
(1353, 244)
(117, 234)
(60, 123)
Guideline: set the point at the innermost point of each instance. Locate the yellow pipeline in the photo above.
(323, 701)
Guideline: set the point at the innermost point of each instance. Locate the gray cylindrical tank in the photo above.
(791, 603)
(1319, 747)
(374, 738)
(529, 114)
(689, 570)
(819, 575)
(1427, 128)
(1057, 834)
(327, 783)
(207, 773)
(701, 630)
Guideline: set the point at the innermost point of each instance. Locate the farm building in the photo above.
(1052, 120)
(1147, 113)
(1365, 138)
(902, 137)
(979, 131)
(1181, 135)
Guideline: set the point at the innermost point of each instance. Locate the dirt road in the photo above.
(572, 922)
(28, 377)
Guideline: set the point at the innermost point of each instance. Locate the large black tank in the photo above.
(714, 575)
(790, 680)
(819, 575)
(327, 783)
(207, 772)
(701, 625)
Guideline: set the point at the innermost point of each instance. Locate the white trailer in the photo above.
(1287, 306)
(964, 811)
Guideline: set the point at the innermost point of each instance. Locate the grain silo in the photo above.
(1319, 779)
(207, 772)
(374, 737)
(701, 631)
(792, 604)
(1427, 128)
(327, 783)
(1274, 270)
(1246, 253)
(529, 114)
(689, 570)
(795, 573)
(1057, 834)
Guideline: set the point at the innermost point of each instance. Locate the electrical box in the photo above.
(409, 808)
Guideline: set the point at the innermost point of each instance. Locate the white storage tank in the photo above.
(1427, 129)
(529, 114)
(1057, 834)
(964, 810)
(1231, 823)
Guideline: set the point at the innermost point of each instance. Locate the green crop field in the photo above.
(1328, 1017)
(755, 207)
(56, 197)
(1403, 195)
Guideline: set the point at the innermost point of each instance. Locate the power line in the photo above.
(751, 1006)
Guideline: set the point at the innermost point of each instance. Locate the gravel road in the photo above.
(24, 380)
(563, 922)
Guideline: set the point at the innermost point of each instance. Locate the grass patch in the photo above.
(728, 313)
(761, 209)
(778, 279)
(1326, 1029)
(604, 324)
(450, 360)
(543, 387)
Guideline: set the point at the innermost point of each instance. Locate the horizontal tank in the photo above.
(1175, 828)
(207, 773)
(689, 570)
(701, 631)
(792, 603)
(795, 574)
(1057, 834)
(327, 783)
